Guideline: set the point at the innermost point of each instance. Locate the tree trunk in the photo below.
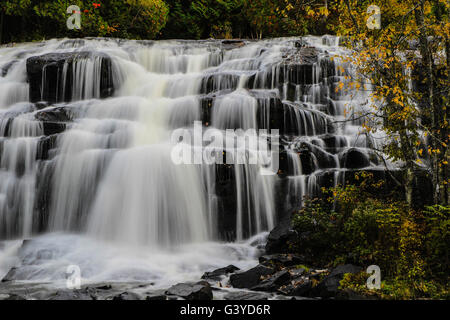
(409, 185)
(428, 66)
(408, 154)
(445, 196)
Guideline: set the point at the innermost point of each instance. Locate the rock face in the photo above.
(246, 296)
(285, 260)
(329, 286)
(300, 287)
(274, 282)
(218, 273)
(354, 159)
(83, 294)
(277, 241)
(53, 76)
(250, 278)
(127, 296)
(191, 291)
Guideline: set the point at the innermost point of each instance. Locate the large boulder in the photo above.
(245, 295)
(273, 282)
(300, 287)
(51, 76)
(279, 237)
(250, 278)
(191, 291)
(283, 260)
(329, 286)
(354, 159)
(218, 273)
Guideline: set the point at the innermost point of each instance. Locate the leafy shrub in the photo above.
(348, 225)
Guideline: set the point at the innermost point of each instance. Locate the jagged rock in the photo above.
(192, 291)
(329, 287)
(83, 294)
(285, 260)
(277, 241)
(51, 128)
(297, 272)
(243, 295)
(57, 114)
(250, 278)
(216, 274)
(104, 287)
(11, 275)
(274, 282)
(299, 287)
(157, 295)
(300, 43)
(127, 296)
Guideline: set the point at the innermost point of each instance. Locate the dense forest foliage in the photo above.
(24, 20)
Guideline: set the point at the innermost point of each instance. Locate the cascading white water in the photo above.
(110, 168)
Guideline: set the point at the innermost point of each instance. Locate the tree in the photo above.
(12, 8)
(271, 18)
(416, 121)
(205, 18)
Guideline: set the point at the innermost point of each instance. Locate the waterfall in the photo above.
(87, 142)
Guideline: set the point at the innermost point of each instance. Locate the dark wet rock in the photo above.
(227, 203)
(274, 282)
(285, 260)
(83, 294)
(191, 291)
(329, 286)
(297, 272)
(243, 295)
(250, 278)
(51, 128)
(299, 287)
(11, 297)
(104, 287)
(57, 114)
(219, 81)
(11, 275)
(334, 143)
(216, 274)
(127, 296)
(46, 75)
(41, 105)
(157, 295)
(348, 294)
(300, 43)
(354, 159)
(277, 241)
